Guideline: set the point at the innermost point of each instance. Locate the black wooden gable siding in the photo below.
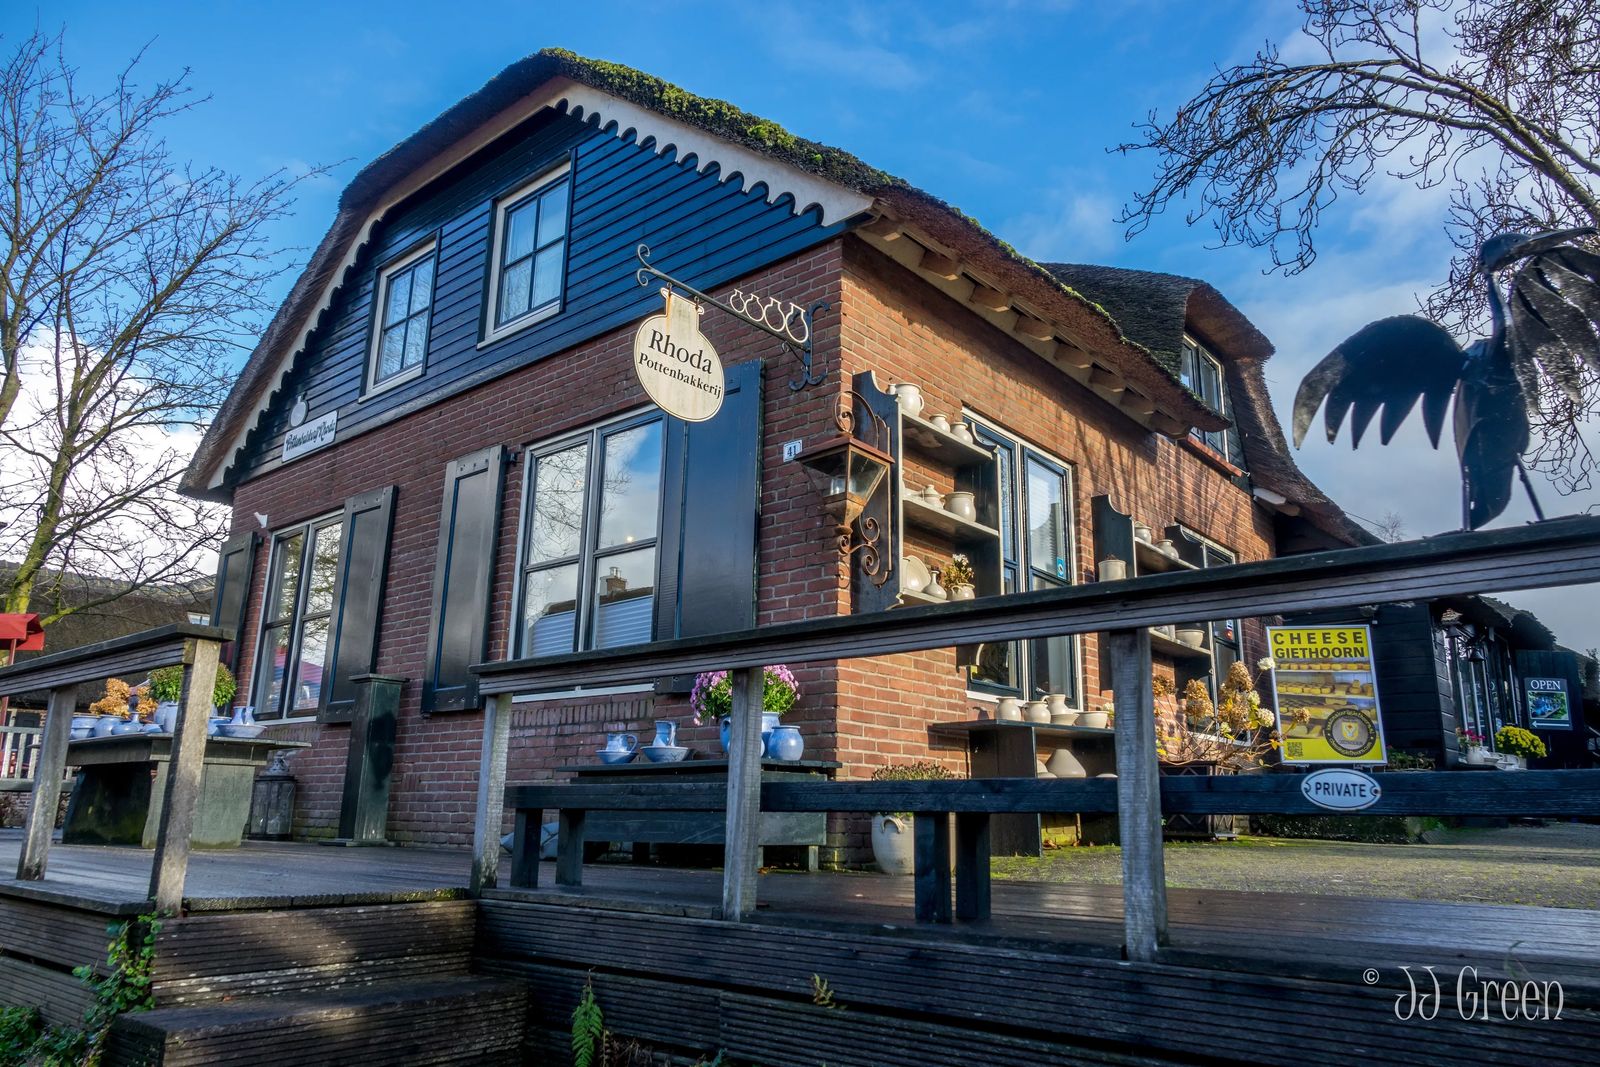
(699, 227)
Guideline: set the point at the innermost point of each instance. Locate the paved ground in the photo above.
(1556, 866)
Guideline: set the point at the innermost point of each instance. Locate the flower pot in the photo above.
(961, 592)
(893, 847)
(1112, 569)
(962, 506)
(785, 743)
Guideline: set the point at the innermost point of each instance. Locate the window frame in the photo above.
(1022, 566)
(589, 556)
(504, 204)
(1216, 440)
(1210, 545)
(308, 530)
(386, 273)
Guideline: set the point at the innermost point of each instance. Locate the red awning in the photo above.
(21, 633)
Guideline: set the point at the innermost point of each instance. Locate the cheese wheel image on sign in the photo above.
(677, 366)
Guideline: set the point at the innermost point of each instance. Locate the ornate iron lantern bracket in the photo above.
(785, 320)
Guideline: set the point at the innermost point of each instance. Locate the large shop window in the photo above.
(319, 619)
(1037, 544)
(528, 267)
(594, 512)
(400, 333)
(1202, 373)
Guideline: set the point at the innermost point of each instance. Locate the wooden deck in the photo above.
(1041, 981)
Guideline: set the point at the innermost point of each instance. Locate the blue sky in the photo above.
(1005, 109)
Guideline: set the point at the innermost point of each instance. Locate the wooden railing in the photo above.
(19, 753)
(196, 649)
(1560, 552)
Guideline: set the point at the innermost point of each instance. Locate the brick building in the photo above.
(440, 452)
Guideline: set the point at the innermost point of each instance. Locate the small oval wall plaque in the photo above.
(1341, 789)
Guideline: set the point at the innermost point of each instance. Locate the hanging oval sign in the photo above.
(677, 366)
(1340, 789)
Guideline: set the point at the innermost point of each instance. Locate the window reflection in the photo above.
(556, 525)
(630, 488)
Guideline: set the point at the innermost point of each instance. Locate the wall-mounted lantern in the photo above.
(848, 472)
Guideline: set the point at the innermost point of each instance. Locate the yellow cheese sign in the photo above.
(1326, 692)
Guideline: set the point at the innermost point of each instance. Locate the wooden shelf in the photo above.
(911, 596)
(925, 516)
(941, 445)
(1041, 730)
(1163, 645)
(1149, 559)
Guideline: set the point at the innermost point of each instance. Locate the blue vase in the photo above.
(666, 733)
(769, 723)
(785, 743)
(722, 732)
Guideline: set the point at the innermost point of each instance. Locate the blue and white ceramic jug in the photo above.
(621, 742)
(666, 733)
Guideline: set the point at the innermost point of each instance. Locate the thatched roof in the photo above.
(940, 220)
(1155, 310)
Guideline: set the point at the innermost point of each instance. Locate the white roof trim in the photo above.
(836, 202)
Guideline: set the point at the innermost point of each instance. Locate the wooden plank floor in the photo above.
(1301, 935)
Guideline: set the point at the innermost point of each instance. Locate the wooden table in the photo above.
(122, 779)
(803, 829)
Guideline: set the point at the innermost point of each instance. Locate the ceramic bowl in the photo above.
(240, 730)
(1191, 636)
(664, 753)
(1063, 718)
(1094, 720)
(613, 756)
(917, 576)
(81, 732)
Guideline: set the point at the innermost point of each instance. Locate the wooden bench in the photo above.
(930, 803)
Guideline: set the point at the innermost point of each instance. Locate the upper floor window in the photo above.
(529, 253)
(296, 619)
(1036, 535)
(1202, 373)
(590, 533)
(400, 336)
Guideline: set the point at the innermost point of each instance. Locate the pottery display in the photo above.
(619, 748)
(939, 422)
(666, 733)
(1036, 711)
(127, 726)
(1065, 718)
(962, 506)
(153, 728)
(1112, 569)
(785, 743)
(1107, 774)
(1008, 709)
(962, 432)
(239, 730)
(104, 726)
(892, 845)
(214, 725)
(167, 715)
(769, 723)
(932, 497)
(1063, 764)
(909, 397)
(1056, 702)
(1141, 532)
(961, 592)
(934, 589)
(664, 753)
(1094, 720)
(915, 574)
(1167, 548)
(1193, 636)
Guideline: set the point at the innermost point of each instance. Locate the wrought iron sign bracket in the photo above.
(785, 320)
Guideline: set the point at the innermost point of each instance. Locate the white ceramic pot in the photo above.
(893, 846)
(1063, 764)
(1141, 532)
(1113, 569)
(1057, 703)
(1008, 709)
(932, 497)
(1067, 717)
(939, 422)
(961, 432)
(1192, 636)
(1167, 548)
(1036, 711)
(962, 506)
(1095, 720)
(914, 574)
(961, 592)
(909, 397)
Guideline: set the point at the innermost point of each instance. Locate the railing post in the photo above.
(1144, 876)
(184, 773)
(49, 767)
(743, 837)
(492, 794)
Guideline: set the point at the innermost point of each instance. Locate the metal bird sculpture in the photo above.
(1547, 321)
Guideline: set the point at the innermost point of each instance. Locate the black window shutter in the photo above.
(235, 566)
(711, 515)
(357, 600)
(463, 580)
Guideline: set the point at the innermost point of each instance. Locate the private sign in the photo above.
(678, 367)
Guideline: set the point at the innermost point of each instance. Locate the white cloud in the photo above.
(1072, 224)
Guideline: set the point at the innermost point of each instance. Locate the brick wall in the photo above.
(863, 713)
